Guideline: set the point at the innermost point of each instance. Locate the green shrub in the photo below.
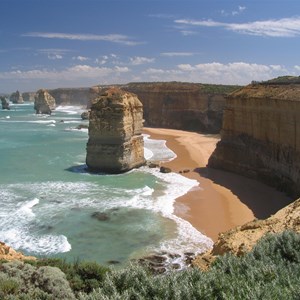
(271, 271)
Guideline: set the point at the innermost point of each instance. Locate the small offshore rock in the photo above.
(165, 170)
(85, 115)
(153, 165)
(100, 216)
(82, 126)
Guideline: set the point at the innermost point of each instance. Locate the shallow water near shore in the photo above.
(50, 206)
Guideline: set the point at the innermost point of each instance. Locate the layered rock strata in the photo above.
(4, 103)
(115, 142)
(70, 96)
(16, 98)
(260, 137)
(8, 253)
(44, 103)
(179, 105)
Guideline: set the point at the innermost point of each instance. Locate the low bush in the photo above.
(270, 271)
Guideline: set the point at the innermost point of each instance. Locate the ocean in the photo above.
(50, 205)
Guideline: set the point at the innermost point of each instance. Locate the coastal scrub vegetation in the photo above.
(270, 271)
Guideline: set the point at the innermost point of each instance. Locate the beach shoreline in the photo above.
(222, 200)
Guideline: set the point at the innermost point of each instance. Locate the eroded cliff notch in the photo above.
(115, 142)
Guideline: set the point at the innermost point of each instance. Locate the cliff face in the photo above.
(115, 142)
(70, 96)
(177, 105)
(44, 103)
(260, 137)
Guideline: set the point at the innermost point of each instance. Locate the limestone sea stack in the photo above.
(5, 103)
(44, 103)
(16, 98)
(115, 142)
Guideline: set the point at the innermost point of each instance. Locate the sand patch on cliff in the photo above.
(223, 200)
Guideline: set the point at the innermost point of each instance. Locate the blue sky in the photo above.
(79, 43)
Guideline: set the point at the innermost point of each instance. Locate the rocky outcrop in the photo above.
(16, 98)
(241, 239)
(5, 103)
(115, 142)
(85, 115)
(44, 103)
(8, 253)
(261, 135)
(179, 105)
(70, 96)
(28, 96)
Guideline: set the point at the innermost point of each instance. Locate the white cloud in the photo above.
(54, 56)
(172, 54)
(139, 60)
(87, 75)
(238, 11)
(69, 74)
(114, 38)
(286, 27)
(297, 67)
(80, 58)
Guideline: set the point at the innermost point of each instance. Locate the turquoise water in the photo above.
(48, 199)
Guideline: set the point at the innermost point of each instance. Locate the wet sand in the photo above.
(222, 200)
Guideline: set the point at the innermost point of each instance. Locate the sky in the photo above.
(81, 43)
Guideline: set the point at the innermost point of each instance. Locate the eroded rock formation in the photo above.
(44, 103)
(241, 239)
(8, 253)
(115, 142)
(16, 98)
(4, 103)
(261, 135)
(28, 96)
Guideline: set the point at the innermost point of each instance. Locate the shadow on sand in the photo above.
(263, 200)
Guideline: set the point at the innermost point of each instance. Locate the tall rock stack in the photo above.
(44, 103)
(16, 98)
(115, 142)
(4, 103)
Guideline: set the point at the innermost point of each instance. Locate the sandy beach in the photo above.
(222, 200)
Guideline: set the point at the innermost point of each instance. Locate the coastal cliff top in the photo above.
(284, 88)
(242, 239)
(174, 86)
(116, 97)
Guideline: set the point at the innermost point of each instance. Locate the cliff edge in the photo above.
(242, 239)
(260, 136)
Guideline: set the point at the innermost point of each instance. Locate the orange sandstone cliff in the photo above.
(260, 137)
